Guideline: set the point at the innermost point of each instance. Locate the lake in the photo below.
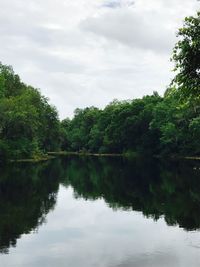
(104, 212)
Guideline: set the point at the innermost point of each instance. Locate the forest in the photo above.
(155, 125)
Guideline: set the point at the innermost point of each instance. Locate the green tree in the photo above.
(29, 126)
(186, 55)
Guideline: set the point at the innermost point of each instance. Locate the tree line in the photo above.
(154, 124)
(28, 124)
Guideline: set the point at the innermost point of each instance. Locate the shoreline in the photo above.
(53, 155)
(32, 160)
(65, 153)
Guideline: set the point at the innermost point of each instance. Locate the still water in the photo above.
(84, 212)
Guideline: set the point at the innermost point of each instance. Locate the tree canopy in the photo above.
(28, 124)
(186, 55)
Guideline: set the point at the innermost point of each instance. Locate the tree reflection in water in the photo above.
(28, 191)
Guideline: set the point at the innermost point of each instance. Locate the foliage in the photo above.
(121, 126)
(186, 55)
(28, 124)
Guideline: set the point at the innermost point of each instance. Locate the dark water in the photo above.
(84, 212)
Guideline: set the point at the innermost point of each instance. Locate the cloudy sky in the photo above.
(89, 52)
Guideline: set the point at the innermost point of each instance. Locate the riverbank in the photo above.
(54, 154)
(65, 153)
(34, 160)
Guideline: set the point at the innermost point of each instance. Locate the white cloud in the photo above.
(132, 28)
(117, 3)
(88, 52)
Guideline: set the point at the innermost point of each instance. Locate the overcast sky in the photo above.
(88, 52)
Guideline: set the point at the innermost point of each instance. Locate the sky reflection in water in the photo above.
(79, 232)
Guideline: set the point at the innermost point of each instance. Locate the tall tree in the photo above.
(186, 55)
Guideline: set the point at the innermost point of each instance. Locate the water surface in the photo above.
(83, 212)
